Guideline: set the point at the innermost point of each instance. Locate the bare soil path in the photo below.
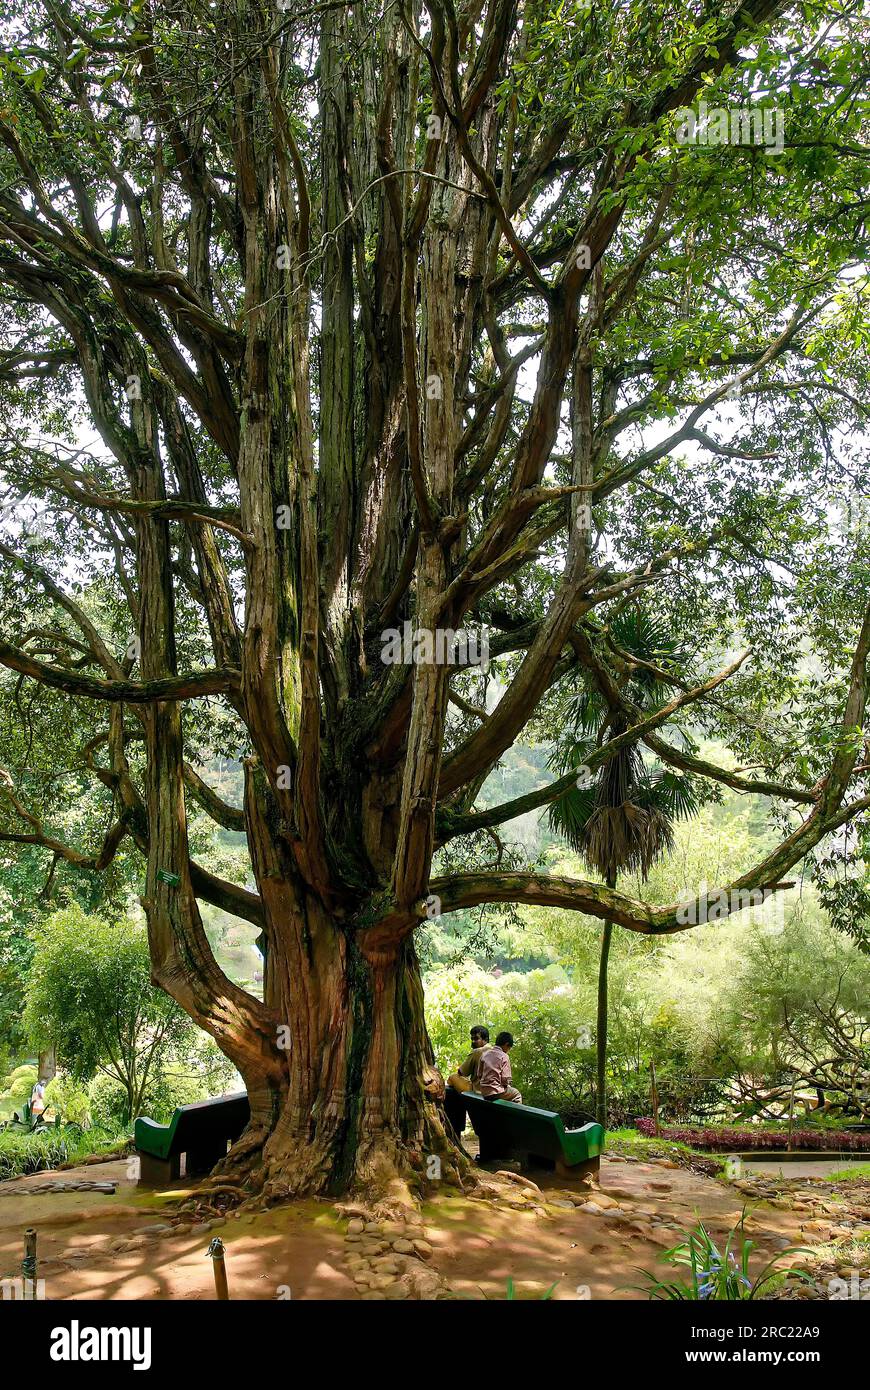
(132, 1244)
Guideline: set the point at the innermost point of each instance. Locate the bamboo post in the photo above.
(216, 1252)
(28, 1264)
(790, 1114)
(655, 1097)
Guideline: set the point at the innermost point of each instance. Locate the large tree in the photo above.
(324, 318)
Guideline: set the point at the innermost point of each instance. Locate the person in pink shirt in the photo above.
(495, 1079)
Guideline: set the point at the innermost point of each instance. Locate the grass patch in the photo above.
(32, 1153)
(858, 1170)
(632, 1144)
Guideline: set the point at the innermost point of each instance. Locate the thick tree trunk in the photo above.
(356, 1109)
(601, 1026)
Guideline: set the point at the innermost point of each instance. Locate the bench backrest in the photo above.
(192, 1126)
(538, 1130)
(224, 1117)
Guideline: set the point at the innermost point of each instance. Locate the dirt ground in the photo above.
(93, 1244)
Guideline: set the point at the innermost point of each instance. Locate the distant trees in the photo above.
(90, 993)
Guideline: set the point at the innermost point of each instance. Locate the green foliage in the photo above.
(769, 997)
(31, 1153)
(553, 1058)
(89, 993)
(716, 1275)
(16, 1088)
(66, 1098)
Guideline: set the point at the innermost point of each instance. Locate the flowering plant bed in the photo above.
(738, 1140)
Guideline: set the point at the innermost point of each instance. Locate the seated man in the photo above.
(470, 1068)
(496, 1081)
(465, 1078)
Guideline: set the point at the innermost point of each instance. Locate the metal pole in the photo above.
(216, 1252)
(28, 1264)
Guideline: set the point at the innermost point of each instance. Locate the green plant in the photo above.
(623, 820)
(15, 1089)
(716, 1275)
(858, 1170)
(32, 1153)
(68, 1100)
(90, 993)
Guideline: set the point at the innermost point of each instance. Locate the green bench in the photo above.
(201, 1131)
(537, 1138)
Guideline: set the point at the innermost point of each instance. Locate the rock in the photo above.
(423, 1249)
(403, 1247)
(392, 1229)
(396, 1291)
(356, 1226)
(561, 1204)
(423, 1283)
(385, 1266)
(150, 1231)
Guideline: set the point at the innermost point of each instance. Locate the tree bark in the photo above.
(353, 1102)
(601, 1027)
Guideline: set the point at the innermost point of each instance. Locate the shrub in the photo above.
(16, 1088)
(554, 1057)
(68, 1100)
(108, 1102)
